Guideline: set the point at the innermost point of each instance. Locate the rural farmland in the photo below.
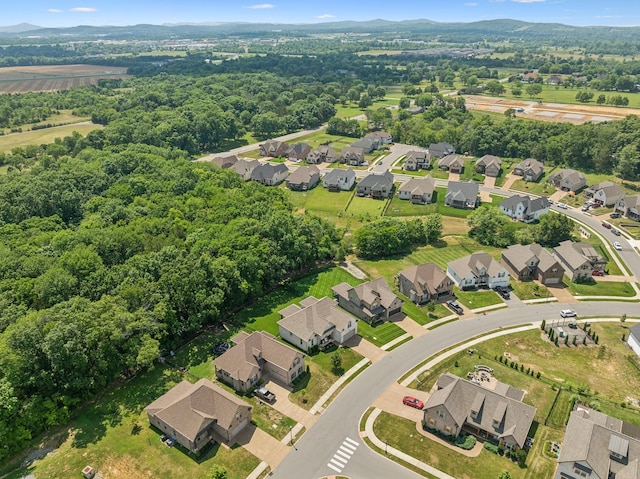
(54, 77)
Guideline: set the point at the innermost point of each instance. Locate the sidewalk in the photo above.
(319, 406)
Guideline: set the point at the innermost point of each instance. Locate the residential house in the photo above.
(352, 156)
(415, 110)
(376, 185)
(254, 356)
(303, 178)
(476, 271)
(245, 167)
(270, 174)
(424, 283)
(452, 163)
(579, 259)
(605, 193)
(634, 339)
(273, 148)
(196, 414)
(532, 261)
(339, 179)
(497, 415)
(225, 162)
(440, 150)
(298, 152)
(316, 323)
(554, 80)
(417, 160)
(322, 153)
(529, 77)
(524, 208)
(462, 194)
(597, 446)
(629, 206)
(384, 137)
(368, 144)
(530, 169)
(372, 301)
(489, 165)
(568, 180)
(418, 190)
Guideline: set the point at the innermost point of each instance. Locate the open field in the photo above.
(45, 136)
(54, 77)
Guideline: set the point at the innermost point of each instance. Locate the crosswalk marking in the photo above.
(342, 455)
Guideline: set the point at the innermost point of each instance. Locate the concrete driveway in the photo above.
(454, 176)
(262, 445)
(284, 405)
(369, 350)
(391, 401)
(510, 180)
(562, 294)
(409, 325)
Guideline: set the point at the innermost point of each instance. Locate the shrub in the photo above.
(490, 447)
(465, 442)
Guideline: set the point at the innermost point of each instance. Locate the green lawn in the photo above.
(400, 207)
(322, 202)
(528, 289)
(366, 209)
(601, 288)
(45, 136)
(420, 314)
(380, 334)
(478, 299)
(418, 173)
(560, 94)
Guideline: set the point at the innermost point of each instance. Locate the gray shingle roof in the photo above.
(303, 174)
(462, 190)
(318, 317)
(373, 180)
(474, 263)
(419, 186)
(268, 170)
(335, 174)
(530, 204)
(519, 256)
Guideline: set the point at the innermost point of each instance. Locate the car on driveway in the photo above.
(585, 207)
(615, 215)
(264, 394)
(568, 313)
(455, 307)
(503, 292)
(617, 246)
(597, 272)
(413, 402)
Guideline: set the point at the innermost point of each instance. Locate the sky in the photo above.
(66, 13)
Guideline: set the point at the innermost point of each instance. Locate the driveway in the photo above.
(409, 325)
(454, 176)
(283, 405)
(369, 350)
(262, 445)
(562, 294)
(510, 180)
(391, 401)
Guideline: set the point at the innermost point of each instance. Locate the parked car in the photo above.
(615, 231)
(264, 394)
(585, 207)
(563, 206)
(568, 313)
(455, 307)
(617, 246)
(413, 402)
(502, 291)
(597, 272)
(549, 200)
(615, 215)
(573, 325)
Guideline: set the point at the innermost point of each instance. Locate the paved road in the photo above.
(341, 420)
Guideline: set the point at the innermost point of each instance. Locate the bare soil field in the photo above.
(45, 78)
(555, 112)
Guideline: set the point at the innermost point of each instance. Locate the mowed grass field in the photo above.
(45, 136)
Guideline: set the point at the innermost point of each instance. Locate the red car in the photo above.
(413, 402)
(597, 272)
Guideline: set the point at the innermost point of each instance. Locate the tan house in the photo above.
(418, 190)
(417, 160)
(452, 163)
(424, 283)
(245, 168)
(489, 165)
(273, 148)
(530, 169)
(303, 178)
(196, 414)
(322, 153)
(225, 162)
(497, 415)
(270, 175)
(372, 301)
(579, 259)
(254, 356)
(629, 206)
(316, 323)
(352, 156)
(298, 151)
(529, 262)
(605, 193)
(568, 180)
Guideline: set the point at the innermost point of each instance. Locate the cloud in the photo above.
(326, 15)
(83, 9)
(261, 6)
(471, 4)
(54, 10)
(529, 1)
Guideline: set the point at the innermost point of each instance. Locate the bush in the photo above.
(490, 447)
(465, 442)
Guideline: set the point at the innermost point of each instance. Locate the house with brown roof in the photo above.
(245, 167)
(579, 259)
(298, 151)
(372, 301)
(322, 153)
(352, 156)
(532, 261)
(376, 185)
(424, 282)
(418, 190)
(452, 163)
(417, 160)
(255, 356)
(497, 415)
(303, 178)
(605, 193)
(269, 174)
(597, 446)
(530, 169)
(524, 208)
(629, 206)
(225, 162)
(196, 414)
(489, 165)
(273, 148)
(476, 271)
(316, 323)
(568, 180)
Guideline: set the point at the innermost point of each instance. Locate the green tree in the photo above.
(433, 228)
(516, 91)
(504, 475)
(489, 227)
(628, 164)
(218, 472)
(553, 228)
(494, 87)
(336, 361)
(533, 90)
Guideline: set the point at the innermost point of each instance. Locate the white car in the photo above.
(568, 313)
(617, 246)
(563, 206)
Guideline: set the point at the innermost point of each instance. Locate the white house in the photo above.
(524, 208)
(476, 271)
(339, 179)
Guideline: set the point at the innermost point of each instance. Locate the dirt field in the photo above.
(54, 77)
(556, 112)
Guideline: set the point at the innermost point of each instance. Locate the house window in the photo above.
(474, 414)
(442, 414)
(554, 270)
(580, 472)
(495, 423)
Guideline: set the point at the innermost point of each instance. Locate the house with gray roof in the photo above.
(634, 339)
(629, 206)
(452, 163)
(418, 190)
(579, 259)
(353, 156)
(524, 208)
(270, 174)
(316, 323)
(417, 160)
(376, 185)
(568, 180)
(339, 179)
(462, 194)
(255, 356)
(532, 261)
(598, 446)
(489, 165)
(530, 169)
(322, 153)
(368, 144)
(497, 415)
(273, 148)
(225, 162)
(372, 301)
(477, 270)
(298, 151)
(439, 150)
(303, 178)
(384, 137)
(244, 167)
(605, 193)
(196, 414)
(424, 282)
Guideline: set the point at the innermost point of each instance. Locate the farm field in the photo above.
(45, 136)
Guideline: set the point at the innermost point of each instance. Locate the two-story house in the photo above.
(579, 259)
(372, 301)
(524, 208)
(532, 261)
(424, 283)
(477, 270)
